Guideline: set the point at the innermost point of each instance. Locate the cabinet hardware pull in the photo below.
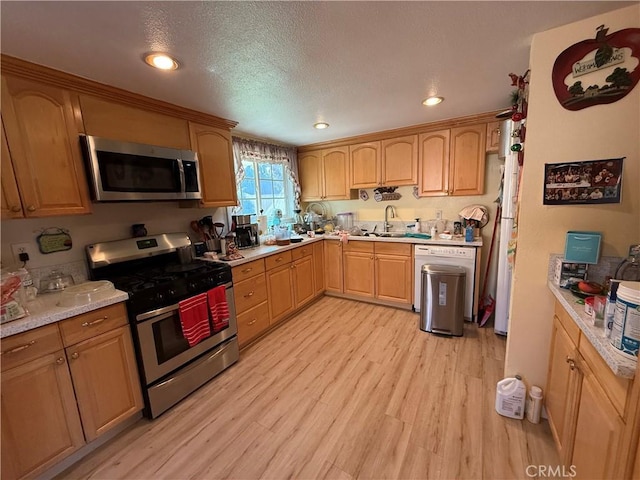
(279, 259)
(60, 360)
(252, 321)
(571, 362)
(91, 324)
(75, 355)
(20, 348)
(247, 270)
(15, 209)
(292, 266)
(31, 208)
(250, 294)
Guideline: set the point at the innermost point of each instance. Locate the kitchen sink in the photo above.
(390, 234)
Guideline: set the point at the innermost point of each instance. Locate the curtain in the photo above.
(245, 149)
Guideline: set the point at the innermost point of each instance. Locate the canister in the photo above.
(625, 331)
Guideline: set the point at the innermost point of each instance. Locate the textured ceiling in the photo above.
(278, 67)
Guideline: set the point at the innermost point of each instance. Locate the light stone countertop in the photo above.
(45, 310)
(251, 254)
(620, 364)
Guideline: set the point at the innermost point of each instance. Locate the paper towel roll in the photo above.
(262, 224)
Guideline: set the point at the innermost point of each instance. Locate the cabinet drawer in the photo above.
(250, 292)
(615, 387)
(242, 272)
(278, 259)
(403, 249)
(365, 247)
(567, 322)
(24, 347)
(87, 325)
(298, 253)
(252, 323)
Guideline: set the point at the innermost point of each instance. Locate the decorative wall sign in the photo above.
(594, 181)
(54, 239)
(597, 71)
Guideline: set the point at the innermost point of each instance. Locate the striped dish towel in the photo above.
(219, 308)
(194, 318)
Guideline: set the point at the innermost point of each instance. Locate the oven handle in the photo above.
(166, 312)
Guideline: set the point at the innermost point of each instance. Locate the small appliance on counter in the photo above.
(247, 233)
(629, 268)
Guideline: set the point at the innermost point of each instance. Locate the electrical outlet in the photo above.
(438, 214)
(18, 248)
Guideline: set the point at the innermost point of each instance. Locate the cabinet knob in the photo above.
(60, 360)
(31, 208)
(15, 209)
(75, 355)
(571, 362)
(250, 294)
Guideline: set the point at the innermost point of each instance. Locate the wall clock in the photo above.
(598, 70)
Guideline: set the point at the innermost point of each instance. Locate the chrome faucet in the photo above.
(386, 216)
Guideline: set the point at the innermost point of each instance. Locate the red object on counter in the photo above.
(194, 318)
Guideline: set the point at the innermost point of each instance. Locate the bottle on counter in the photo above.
(534, 404)
(468, 233)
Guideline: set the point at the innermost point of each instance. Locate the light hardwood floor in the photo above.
(343, 390)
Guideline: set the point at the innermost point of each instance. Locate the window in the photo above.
(267, 187)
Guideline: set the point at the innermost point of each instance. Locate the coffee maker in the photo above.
(247, 233)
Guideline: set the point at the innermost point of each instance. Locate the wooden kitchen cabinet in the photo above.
(452, 162)
(333, 266)
(105, 378)
(280, 292)
(40, 420)
(365, 165)
(400, 161)
(42, 125)
(324, 174)
(217, 173)
(493, 137)
(318, 267)
(358, 267)
(118, 121)
(11, 206)
(303, 287)
(250, 292)
(394, 272)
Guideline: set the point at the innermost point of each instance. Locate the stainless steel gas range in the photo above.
(149, 270)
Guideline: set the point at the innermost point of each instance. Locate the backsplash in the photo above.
(78, 270)
(598, 273)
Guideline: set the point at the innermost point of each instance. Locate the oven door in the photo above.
(162, 345)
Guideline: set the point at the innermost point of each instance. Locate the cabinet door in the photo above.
(563, 384)
(217, 174)
(252, 323)
(318, 267)
(333, 266)
(42, 132)
(40, 421)
(400, 161)
(310, 170)
(303, 288)
(335, 167)
(434, 163)
(11, 204)
(393, 278)
(280, 289)
(358, 274)
(598, 431)
(365, 165)
(106, 380)
(493, 137)
(466, 166)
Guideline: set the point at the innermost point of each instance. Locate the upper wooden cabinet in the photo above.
(324, 174)
(117, 121)
(215, 155)
(400, 161)
(390, 162)
(493, 137)
(11, 203)
(42, 125)
(452, 162)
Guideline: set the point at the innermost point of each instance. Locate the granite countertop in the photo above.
(45, 310)
(621, 365)
(251, 254)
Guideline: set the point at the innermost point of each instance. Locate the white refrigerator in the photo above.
(508, 212)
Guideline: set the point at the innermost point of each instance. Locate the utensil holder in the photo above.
(213, 245)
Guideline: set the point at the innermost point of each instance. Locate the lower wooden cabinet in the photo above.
(252, 323)
(358, 268)
(318, 267)
(105, 380)
(333, 266)
(586, 404)
(54, 399)
(302, 281)
(394, 278)
(40, 421)
(280, 292)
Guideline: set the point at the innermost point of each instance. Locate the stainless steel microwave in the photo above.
(123, 171)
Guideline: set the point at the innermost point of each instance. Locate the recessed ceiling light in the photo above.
(321, 125)
(161, 61)
(430, 101)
